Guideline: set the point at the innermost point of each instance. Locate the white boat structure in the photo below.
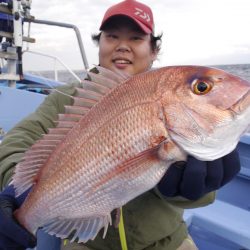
(224, 225)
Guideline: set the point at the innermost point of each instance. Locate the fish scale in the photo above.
(88, 153)
(93, 171)
(134, 130)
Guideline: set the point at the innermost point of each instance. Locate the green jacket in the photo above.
(152, 221)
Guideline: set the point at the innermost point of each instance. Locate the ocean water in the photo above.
(242, 70)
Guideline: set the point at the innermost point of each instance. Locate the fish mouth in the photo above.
(242, 104)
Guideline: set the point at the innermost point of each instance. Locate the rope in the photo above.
(122, 232)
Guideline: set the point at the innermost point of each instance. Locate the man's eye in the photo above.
(136, 38)
(112, 36)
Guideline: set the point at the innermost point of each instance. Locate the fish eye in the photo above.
(201, 87)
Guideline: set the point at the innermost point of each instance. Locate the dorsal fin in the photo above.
(84, 102)
(58, 131)
(76, 110)
(69, 117)
(100, 79)
(117, 76)
(87, 94)
(95, 87)
(91, 92)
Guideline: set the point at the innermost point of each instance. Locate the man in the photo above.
(153, 220)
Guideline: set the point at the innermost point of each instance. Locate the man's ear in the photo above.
(154, 55)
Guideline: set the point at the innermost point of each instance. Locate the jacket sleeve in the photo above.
(29, 130)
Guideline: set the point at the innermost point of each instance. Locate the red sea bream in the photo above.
(118, 140)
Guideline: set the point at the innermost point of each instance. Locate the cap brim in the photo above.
(142, 26)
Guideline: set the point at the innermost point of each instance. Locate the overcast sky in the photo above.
(206, 32)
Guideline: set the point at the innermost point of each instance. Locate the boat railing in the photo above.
(12, 78)
(65, 25)
(56, 61)
(19, 13)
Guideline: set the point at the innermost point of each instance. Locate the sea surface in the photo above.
(242, 70)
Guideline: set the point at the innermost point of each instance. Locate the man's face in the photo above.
(125, 48)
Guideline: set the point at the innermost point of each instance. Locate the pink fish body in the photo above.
(133, 130)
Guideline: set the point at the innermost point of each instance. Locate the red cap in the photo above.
(137, 11)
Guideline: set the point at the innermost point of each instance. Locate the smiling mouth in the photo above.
(121, 61)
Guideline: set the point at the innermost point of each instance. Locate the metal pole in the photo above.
(65, 25)
(12, 67)
(17, 23)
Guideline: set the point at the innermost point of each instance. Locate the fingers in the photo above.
(200, 178)
(231, 163)
(215, 175)
(194, 179)
(221, 171)
(170, 183)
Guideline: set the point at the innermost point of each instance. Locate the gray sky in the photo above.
(205, 32)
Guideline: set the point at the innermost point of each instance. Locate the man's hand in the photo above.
(193, 179)
(12, 235)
